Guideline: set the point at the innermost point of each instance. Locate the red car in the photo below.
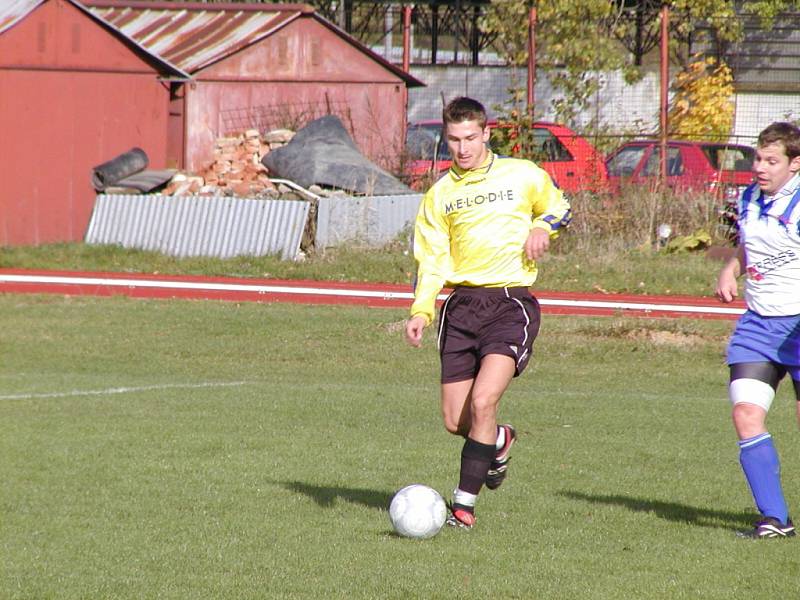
(722, 169)
(573, 163)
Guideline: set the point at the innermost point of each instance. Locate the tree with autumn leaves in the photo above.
(702, 107)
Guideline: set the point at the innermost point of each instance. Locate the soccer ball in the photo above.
(417, 511)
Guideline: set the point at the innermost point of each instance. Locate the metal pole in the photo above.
(664, 92)
(457, 23)
(406, 38)
(473, 35)
(531, 58)
(434, 31)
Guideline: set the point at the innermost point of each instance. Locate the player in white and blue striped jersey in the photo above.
(765, 345)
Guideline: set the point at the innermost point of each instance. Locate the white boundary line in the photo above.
(192, 285)
(121, 390)
(352, 293)
(716, 310)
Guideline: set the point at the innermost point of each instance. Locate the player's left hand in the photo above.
(537, 244)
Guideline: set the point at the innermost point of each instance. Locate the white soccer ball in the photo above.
(417, 511)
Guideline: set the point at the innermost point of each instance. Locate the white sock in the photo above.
(464, 498)
(501, 437)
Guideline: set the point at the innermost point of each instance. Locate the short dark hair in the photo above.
(463, 109)
(783, 133)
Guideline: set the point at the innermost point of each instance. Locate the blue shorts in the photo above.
(767, 339)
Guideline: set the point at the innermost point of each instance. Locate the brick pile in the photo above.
(236, 169)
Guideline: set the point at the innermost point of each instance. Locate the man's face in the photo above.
(773, 168)
(467, 143)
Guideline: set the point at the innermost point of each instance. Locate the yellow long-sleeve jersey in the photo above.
(472, 225)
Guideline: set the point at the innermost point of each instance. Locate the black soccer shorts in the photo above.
(476, 321)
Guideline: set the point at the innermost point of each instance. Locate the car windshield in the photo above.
(674, 162)
(729, 158)
(546, 146)
(624, 162)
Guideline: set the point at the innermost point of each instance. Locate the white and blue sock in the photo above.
(762, 468)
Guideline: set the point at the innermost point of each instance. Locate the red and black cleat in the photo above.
(461, 517)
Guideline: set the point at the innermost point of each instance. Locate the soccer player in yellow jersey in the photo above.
(480, 230)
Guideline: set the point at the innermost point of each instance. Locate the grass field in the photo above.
(177, 449)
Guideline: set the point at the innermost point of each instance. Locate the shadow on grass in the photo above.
(326, 496)
(671, 511)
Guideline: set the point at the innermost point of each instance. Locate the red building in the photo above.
(82, 83)
(74, 92)
(265, 66)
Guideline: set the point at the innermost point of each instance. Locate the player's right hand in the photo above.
(414, 328)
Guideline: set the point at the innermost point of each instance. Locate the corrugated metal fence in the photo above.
(369, 220)
(199, 226)
(223, 227)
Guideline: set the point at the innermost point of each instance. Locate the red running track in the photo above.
(72, 283)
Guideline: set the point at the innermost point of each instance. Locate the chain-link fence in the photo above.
(614, 136)
(452, 54)
(613, 141)
(284, 115)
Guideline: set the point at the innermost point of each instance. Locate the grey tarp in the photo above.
(323, 153)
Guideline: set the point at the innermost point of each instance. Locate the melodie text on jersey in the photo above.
(478, 199)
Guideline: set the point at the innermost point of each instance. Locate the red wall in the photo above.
(73, 95)
(302, 65)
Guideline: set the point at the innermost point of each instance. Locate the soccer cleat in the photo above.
(497, 470)
(769, 528)
(460, 517)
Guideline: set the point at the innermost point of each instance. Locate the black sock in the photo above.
(476, 458)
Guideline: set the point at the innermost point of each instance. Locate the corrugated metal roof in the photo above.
(12, 11)
(188, 36)
(193, 36)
